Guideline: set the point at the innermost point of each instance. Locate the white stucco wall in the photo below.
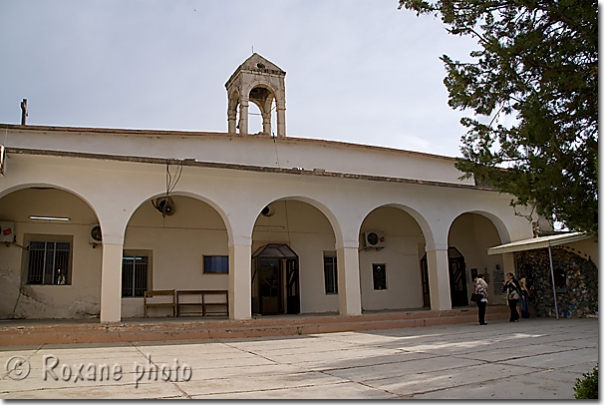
(255, 150)
(218, 213)
(308, 232)
(401, 257)
(177, 245)
(80, 299)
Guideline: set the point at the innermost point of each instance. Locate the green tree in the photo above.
(533, 87)
(587, 387)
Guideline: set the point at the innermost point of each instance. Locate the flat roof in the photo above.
(160, 132)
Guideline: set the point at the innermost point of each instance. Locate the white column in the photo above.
(111, 283)
(232, 121)
(243, 115)
(509, 264)
(438, 278)
(240, 281)
(266, 123)
(349, 281)
(281, 118)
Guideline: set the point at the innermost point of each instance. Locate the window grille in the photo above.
(135, 274)
(330, 269)
(49, 263)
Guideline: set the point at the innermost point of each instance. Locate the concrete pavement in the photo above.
(538, 358)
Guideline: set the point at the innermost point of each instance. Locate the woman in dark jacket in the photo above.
(512, 287)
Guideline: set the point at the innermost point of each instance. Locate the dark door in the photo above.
(292, 289)
(457, 278)
(275, 280)
(425, 281)
(270, 286)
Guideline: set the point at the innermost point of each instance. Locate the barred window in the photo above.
(330, 269)
(49, 263)
(135, 275)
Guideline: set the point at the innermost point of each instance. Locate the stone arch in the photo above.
(184, 248)
(23, 186)
(415, 214)
(306, 226)
(471, 233)
(263, 94)
(390, 271)
(67, 285)
(232, 104)
(499, 225)
(323, 208)
(223, 215)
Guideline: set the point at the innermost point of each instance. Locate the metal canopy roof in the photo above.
(538, 243)
(275, 251)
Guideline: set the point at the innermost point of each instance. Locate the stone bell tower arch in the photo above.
(261, 82)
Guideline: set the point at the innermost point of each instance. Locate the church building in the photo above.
(92, 218)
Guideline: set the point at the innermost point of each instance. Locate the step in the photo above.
(32, 332)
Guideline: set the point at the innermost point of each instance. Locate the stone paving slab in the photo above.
(201, 372)
(557, 360)
(388, 370)
(335, 355)
(126, 391)
(545, 385)
(537, 358)
(330, 364)
(259, 383)
(514, 352)
(417, 383)
(346, 390)
(308, 347)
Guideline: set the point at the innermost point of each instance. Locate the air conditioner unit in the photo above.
(7, 231)
(374, 239)
(94, 236)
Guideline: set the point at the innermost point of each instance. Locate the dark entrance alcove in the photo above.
(275, 280)
(457, 279)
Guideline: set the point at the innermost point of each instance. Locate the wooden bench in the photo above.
(171, 294)
(200, 302)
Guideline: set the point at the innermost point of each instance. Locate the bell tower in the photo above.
(261, 82)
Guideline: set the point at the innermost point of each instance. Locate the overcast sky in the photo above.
(358, 71)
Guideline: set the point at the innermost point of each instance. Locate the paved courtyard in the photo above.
(538, 358)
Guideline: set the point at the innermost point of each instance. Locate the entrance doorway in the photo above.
(457, 279)
(423, 264)
(275, 280)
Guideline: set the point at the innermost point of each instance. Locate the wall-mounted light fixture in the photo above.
(48, 218)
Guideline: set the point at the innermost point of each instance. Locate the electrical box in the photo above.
(7, 231)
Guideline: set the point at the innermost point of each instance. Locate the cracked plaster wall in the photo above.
(78, 300)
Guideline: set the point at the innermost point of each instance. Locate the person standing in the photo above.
(512, 287)
(480, 287)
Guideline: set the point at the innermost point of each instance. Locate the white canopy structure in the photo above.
(542, 242)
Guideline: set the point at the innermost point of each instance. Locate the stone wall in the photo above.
(576, 282)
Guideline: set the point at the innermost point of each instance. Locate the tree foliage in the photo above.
(587, 387)
(533, 87)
